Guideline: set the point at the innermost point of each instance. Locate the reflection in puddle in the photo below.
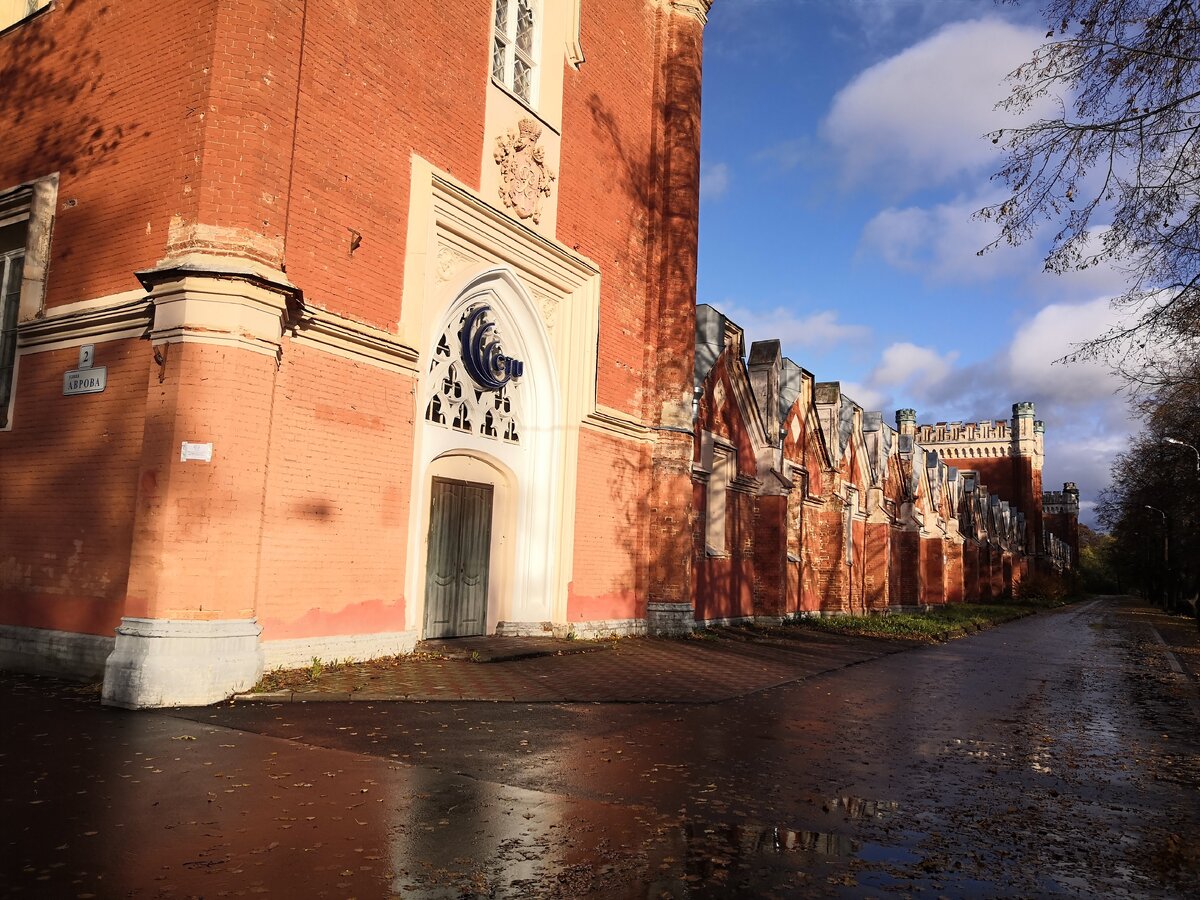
(751, 840)
(858, 808)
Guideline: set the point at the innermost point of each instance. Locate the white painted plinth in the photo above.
(524, 629)
(44, 651)
(599, 629)
(294, 653)
(178, 662)
(670, 619)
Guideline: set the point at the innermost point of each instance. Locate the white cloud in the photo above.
(918, 118)
(913, 367)
(941, 243)
(819, 331)
(714, 180)
(905, 370)
(1051, 335)
(1087, 419)
(885, 22)
(867, 397)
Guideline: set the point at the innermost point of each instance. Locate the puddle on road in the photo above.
(748, 839)
(858, 808)
(519, 843)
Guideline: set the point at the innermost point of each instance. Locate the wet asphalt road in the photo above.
(1048, 757)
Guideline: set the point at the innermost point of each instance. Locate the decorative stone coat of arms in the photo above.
(524, 177)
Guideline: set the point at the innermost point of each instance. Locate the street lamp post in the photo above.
(1195, 600)
(1166, 558)
(1179, 443)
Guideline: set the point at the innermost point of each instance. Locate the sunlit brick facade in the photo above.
(262, 229)
(851, 514)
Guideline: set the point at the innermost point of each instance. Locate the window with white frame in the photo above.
(13, 11)
(514, 43)
(26, 223)
(850, 510)
(715, 505)
(12, 264)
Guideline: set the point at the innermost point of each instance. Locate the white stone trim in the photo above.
(697, 9)
(33, 202)
(528, 521)
(524, 629)
(207, 308)
(455, 238)
(738, 620)
(294, 653)
(670, 619)
(181, 662)
(113, 318)
(599, 629)
(61, 654)
(619, 424)
(361, 343)
(575, 57)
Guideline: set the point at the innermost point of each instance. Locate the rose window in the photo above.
(458, 403)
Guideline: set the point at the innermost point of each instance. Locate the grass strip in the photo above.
(938, 624)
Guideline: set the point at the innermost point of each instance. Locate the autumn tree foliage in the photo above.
(1114, 170)
(1151, 508)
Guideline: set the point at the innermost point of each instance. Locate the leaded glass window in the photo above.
(513, 56)
(12, 261)
(457, 403)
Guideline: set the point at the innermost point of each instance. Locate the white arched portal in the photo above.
(510, 439)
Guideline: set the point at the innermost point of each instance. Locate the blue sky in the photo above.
(843, 156)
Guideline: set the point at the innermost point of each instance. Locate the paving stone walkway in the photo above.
(634, 670)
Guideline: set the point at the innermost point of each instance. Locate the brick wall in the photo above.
(112, 96)
(335, 529)
(610, 530)
(825, 558)
(380, 83)
(877, 559)
(1066, 528)
(197, 525)
(68, 478)
(609, 185)
(954, 572)
(970, 562)
(770, 555)
(1001, 575)
(932, 589)
(906, 568)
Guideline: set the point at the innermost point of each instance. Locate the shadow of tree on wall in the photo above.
(68, 466)
(661, 184)
(53, 95)
(630, 510)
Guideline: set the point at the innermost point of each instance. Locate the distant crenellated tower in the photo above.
(1006, 456)
(1060, 510)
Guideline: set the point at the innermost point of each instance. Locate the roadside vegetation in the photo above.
(1110, 174)
(942, 623)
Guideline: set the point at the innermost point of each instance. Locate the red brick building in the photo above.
(328, 328)
(807, 504)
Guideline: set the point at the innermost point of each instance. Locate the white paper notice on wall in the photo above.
(198, 452)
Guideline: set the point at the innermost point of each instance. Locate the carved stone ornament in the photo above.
(450, 260)
(524, 176)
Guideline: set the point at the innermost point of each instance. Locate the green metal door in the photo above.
(456, 573)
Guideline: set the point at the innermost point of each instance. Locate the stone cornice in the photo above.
(207, 305)
(107, 319)
(617, 423)
(353, 340)
(697, 9)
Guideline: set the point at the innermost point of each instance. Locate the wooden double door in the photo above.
(456, 572)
